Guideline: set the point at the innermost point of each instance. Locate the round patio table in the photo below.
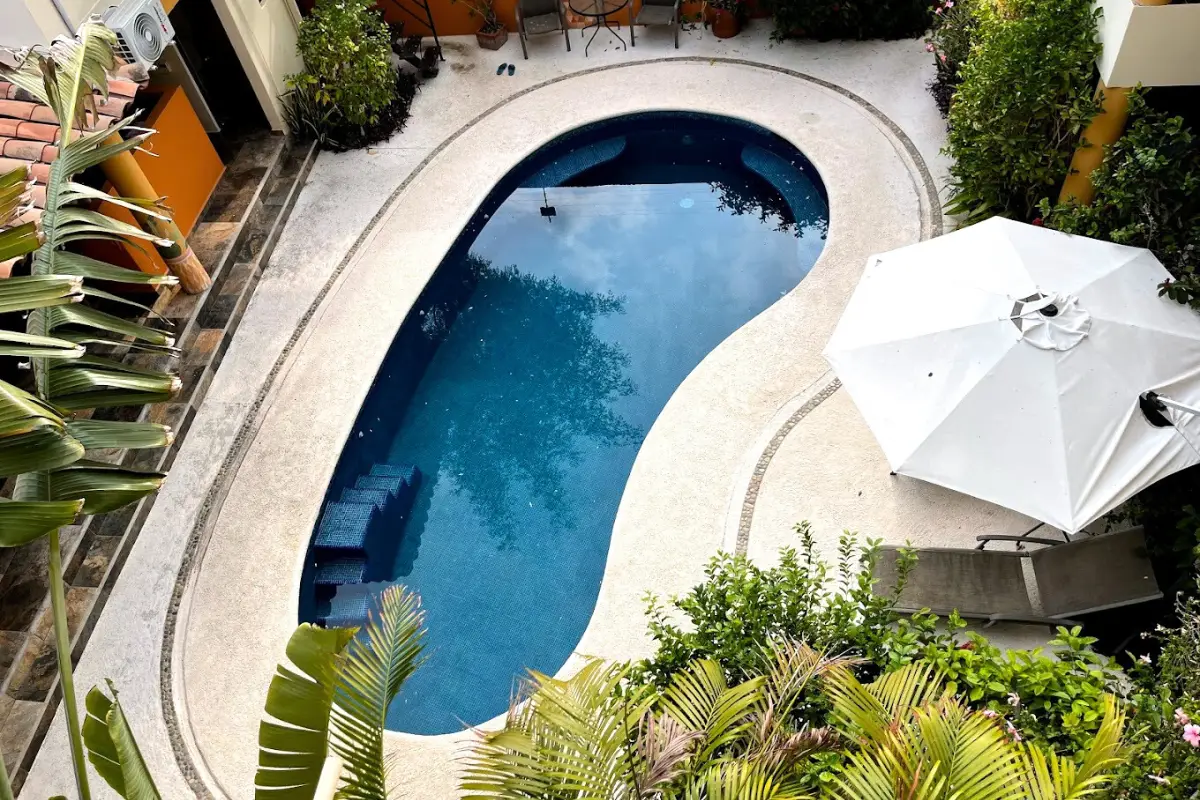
(599, 11)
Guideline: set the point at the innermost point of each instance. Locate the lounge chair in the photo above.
(657, 12)
(540, 16)
(1090, 574)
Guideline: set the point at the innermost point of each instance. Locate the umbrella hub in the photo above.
(1051, 321)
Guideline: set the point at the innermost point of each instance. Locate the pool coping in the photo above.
(931, 224)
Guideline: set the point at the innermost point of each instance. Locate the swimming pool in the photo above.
(488, 461)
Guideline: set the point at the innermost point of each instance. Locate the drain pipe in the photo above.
(64, 16)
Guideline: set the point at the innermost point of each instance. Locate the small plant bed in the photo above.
(350, 95)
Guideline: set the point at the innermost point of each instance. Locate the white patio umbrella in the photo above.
(1005, 361)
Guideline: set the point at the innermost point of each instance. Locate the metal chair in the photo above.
(1093, 573)
(540, 16)
(657, 12)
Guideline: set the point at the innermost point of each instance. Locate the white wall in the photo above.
(1150, 45)
(28, 22)
(264, 36)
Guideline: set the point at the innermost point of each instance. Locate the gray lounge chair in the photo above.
(657, 12)
(1094, 573)
(540, 16)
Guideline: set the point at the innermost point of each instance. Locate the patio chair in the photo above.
(540, 16)
(1090, 574)
(657, 12)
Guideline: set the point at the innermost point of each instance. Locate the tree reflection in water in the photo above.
(738, 197)
(532, 390)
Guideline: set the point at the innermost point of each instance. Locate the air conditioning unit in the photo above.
(143, 30)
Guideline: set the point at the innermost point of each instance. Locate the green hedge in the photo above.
(1026, 95)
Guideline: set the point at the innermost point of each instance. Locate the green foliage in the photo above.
(1025, 96)
(335, 700)
(1147, 195)
(950, 40)
(486, 11)
(112, 750)
(1055, 698)
(348, 76)
(850, 19)
(1165, 696)
(742, 607)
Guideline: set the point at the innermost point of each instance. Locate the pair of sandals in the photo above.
(512, 69)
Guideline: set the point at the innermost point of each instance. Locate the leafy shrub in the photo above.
(741, 607)
(1025, 96)
(850, 19)
(349, 93)
(1165, 698)
(1147, 195)
(1056, 699)
(949, 40)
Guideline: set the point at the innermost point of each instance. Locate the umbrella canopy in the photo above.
(1005, 361)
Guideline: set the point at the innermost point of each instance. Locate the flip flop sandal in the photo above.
(500, 69)
(512, 69)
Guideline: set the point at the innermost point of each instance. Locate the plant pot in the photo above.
(492, 41)
(725, 24)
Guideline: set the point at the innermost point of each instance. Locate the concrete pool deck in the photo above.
(215, 570)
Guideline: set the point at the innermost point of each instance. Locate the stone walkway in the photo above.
(343, 195)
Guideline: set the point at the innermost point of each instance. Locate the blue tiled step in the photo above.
(346, 526)
(345, 612)
(340, 571)
(575, 162)
(783, 175)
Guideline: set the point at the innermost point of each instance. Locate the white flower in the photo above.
(1145, 658)
(1160, 780)
(987, 712)
(1014, 699)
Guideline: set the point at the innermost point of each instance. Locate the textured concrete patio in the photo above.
(198, 619)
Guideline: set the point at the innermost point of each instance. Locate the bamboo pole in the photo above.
(127, 177)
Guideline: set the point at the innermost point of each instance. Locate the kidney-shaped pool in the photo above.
(486, 466)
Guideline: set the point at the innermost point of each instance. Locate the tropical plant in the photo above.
(599, 735)
(349, 94)
(1024, 98)
(740, 607)
(335, 701)
(45, 435)
(486, 11)
(916, 740)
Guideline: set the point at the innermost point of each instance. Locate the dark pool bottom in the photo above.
(488, 462)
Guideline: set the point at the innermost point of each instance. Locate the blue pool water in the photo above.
(527, 377)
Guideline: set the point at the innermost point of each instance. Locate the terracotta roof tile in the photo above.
(29, 129)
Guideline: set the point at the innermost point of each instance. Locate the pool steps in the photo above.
(575, 163)
(365, 521)
(784, 176)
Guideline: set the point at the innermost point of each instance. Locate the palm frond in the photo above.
(377, 662)
(68, 263)
(868, 711)
(665, 746)
(112, 749)
(24, 345)
(570, 738)
(742, 780)
(1054, 777)
(701, 700)
(294, 741)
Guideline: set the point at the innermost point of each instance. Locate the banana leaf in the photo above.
(112, 749)
(26, 345)
(39, 291)
(22, 522)
(32, 434)
(96, 434)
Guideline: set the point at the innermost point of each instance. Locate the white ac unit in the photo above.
(143, 30)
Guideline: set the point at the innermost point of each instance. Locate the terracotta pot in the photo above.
(725, 24)
(492, 41)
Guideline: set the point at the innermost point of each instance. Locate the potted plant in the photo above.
(492, 34)
(726, 17)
